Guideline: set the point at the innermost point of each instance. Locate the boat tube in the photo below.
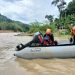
(59, 51)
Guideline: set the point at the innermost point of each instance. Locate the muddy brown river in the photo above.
(11, 65)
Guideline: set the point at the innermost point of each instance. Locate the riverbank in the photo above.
(57, 36)
(6, 31)
(25, 34)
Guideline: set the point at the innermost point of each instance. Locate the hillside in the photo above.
(8, 24)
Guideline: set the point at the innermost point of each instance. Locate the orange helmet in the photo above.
(48, 31)
(73, 30)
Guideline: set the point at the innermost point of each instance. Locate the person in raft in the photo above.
(49, 38)
(38, 38)
(73, 35)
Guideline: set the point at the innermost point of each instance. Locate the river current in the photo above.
(11, 65)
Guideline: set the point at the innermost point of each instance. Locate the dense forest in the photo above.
(8, 24)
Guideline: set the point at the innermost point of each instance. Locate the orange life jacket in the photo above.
(73, 30)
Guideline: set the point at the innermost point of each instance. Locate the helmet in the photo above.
(48, 31)
(73, 30)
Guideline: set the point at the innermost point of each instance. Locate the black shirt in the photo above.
(74, 39)
(51, 37)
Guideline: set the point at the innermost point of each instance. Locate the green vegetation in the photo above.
(36, 26)
(7, 24)
(64, 23)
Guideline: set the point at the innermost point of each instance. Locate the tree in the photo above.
(55, 2)
(49, 17)
(71, 8)
(69, 12)
(60, 5)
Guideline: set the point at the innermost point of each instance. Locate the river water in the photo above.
(11, 65)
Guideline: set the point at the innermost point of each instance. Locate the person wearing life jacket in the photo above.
(73, 34)
(38, 38)
(48, 37)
